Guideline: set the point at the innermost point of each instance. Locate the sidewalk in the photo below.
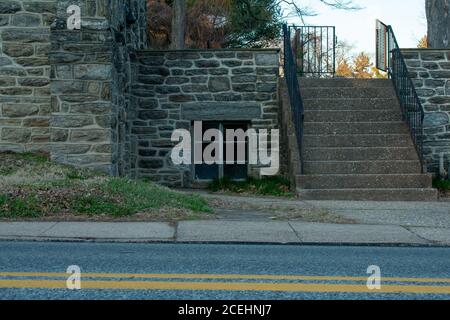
(250, 220)
(276, 232)
(398, 213)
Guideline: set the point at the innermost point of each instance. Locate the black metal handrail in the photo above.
(412, 110)
(290, 72)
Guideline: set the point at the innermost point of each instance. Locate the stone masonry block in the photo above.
(13, 49)
(218, 84)
(266, 59)
(71, 121)
(89, 135)
(19, 110)
(9, 6)
(26, 20)
(18, 135)
(92, 72)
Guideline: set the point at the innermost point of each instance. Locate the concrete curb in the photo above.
(226, 232)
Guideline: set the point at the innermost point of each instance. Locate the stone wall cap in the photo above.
(424, 50)
(216, 50)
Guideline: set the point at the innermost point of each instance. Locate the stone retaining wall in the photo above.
(25, 74)
(174, 88)
(91, 79)
(430, 71)
(67, 92)
(94, 97)
(129, 36)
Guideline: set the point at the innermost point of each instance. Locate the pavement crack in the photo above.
(175, 231)
(47, 230)
(295, 232)
(419, 236)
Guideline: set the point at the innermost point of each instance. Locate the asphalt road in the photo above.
(33, 270)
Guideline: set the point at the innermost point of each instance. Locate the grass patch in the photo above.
(10, 163)
(34, 187)
(441, 184)
(17, 207)
(267, 186)
(74, 174)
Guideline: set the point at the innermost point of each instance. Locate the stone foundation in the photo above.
(430, 71)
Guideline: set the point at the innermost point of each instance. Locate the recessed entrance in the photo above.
(231, 169)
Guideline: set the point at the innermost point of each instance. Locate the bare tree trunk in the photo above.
(438, 18)
(178, 24)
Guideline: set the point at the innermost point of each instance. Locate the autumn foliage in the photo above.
(204, 28)
(216, 23)
(360, 67)
(423, 43)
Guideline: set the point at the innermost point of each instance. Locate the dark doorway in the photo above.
(235, 170)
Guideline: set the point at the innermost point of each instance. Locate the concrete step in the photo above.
(353, 116)
(362, 167)
(351, 104)
(347, 93)
(356, 140)
(359, 154)
(356, 146)
(344, 128)
(342, 82)
(426, 194)
(364, 181)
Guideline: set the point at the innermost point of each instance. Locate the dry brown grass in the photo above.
(33, 187)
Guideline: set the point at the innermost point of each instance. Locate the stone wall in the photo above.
(67, 92)
(430, 71)
(94, 97)
(25, 74)
(174, 88)
(90, 83)
(129, 32)
(81, 62)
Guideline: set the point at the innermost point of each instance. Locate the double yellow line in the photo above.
(126, 281)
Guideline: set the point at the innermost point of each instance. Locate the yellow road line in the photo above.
(224, 286)
(218, 277)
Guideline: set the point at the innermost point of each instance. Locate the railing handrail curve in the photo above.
(406, 93)
(290, 73)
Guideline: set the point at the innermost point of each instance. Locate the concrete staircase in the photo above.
(356, 146)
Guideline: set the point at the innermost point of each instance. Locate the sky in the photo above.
(407, 18)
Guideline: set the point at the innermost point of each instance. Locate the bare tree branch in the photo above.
(304, 11)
